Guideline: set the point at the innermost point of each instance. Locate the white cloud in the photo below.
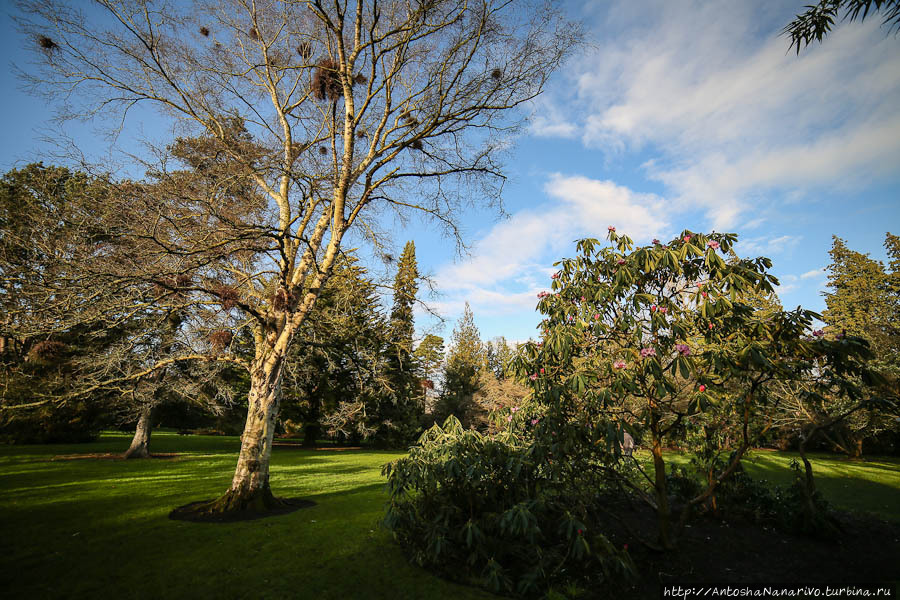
(789, 283)
(728, 113)
(766, 245)
(512, 263)
(814, 274)
(547, 120)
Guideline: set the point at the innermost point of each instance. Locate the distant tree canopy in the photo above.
(61, 336)
(863, 299)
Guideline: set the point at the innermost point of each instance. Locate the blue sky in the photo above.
(678, 114)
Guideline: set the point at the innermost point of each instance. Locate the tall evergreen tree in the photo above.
(855, 303)
(400, 418)
(466, 360)
(334, 377)
(863, 301)
(429, 357)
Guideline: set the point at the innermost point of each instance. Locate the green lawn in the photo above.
(868, 486)
(99, 528)
(871, 486)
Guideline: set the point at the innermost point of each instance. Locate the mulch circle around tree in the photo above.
(110, 456)
(188, 512)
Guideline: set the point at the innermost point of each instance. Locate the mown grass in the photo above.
(870, 486)
(99, 528)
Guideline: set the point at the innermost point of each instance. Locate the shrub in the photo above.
(486, 510)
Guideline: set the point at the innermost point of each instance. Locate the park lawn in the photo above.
(869, 486)
(860, 486)
(99, 528)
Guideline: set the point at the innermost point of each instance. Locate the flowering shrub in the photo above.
(661, 340)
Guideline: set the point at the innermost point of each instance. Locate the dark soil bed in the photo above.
(286, 506)
(736, 551)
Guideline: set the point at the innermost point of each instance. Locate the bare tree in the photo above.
(328, 114)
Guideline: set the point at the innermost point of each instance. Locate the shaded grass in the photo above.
(100, 528)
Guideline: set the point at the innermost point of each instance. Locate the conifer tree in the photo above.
(862, 302)
(334, 377)
(400, 418)
(466, 360)
(429, 358)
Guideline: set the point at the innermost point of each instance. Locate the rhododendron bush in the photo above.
(662, 341)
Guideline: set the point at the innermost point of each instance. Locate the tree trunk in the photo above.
(857, 448)
(311, 429)
(249, 489)
(140, 444)
(663, 511)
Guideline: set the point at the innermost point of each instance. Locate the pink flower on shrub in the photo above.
(710, 325)
(514, 409)
(683, 349)
(687, 238)
(652, 308)
(555, 275)
(582, 298)
(533, 376)
(713, 244)
(704, 294)
(534, 421)
(611, 228)
(645, 352)
(543, 295)
(619, 364)
(621, 261)
(818, 333)
(702, 388)
(655, 241)
(662, 309)
(542, 370)
(580, 532)
(508, 418)
(597, 317)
